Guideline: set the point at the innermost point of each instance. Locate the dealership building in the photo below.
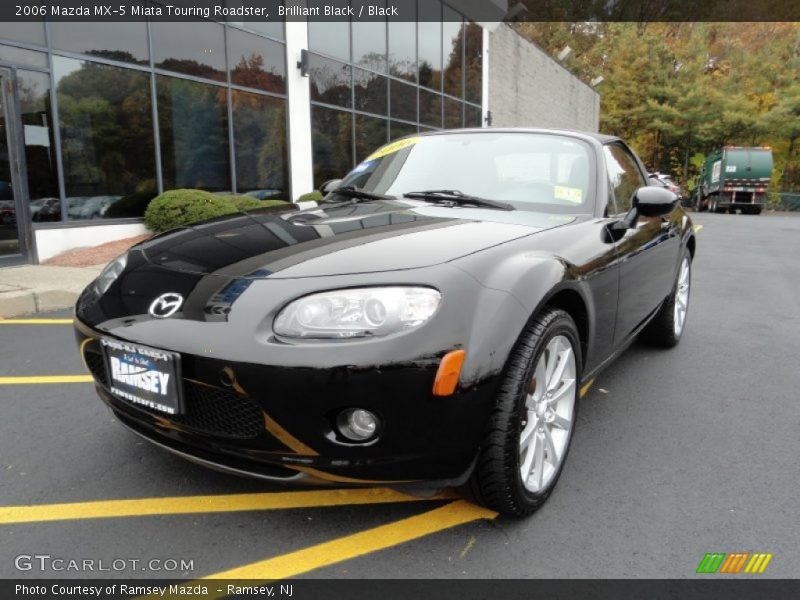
(98, 118)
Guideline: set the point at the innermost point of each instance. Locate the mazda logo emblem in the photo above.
(166, 305)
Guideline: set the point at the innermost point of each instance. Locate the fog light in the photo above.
(357, 424)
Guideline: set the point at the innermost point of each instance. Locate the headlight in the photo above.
(110, 274)
(357, 312)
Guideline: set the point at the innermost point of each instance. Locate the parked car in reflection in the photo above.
(45, 210)
(8, 214)
(89, 207)
(433, 321)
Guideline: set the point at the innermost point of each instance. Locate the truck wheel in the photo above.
(530, 429)
(756, 210)
(667, 326)
(713, 205)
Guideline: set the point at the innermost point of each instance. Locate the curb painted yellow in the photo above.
(586, 387)
(180, 505)
(37, 379)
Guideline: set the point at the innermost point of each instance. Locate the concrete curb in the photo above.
(37, 288)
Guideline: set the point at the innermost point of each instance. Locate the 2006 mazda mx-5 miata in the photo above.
(432, 322)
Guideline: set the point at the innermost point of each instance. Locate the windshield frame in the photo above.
(589, 207)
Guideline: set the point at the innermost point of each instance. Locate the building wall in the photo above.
(528, 88)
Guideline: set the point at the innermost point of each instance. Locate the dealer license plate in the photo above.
(144, 376)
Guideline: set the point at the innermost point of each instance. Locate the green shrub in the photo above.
(314, 196)
(175, 208)
(248, 203)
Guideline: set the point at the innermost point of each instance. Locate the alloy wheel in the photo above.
(682, 297)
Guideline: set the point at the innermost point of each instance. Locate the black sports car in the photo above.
(432, 322)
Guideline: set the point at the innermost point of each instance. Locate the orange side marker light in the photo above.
(448, 374)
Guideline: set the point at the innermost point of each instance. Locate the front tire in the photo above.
(530, 428)
(667, 326)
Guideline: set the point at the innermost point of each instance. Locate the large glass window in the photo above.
(473, 46)
(31, 32)
(403, 50)
(33, 90)
(453, 114)
(430, 43)
(452, 52)
(19, 56)
(473, 116)
(259, 131)
(371, 92)
(370, 135)
(332, 141)
(430, 108)
(195, 48)
(106, 138)
(193, 123)
(331, 81)
(398, 130)
(330, 37)
(404, 101)
(126, 42)
(369, 44)
(256, 62)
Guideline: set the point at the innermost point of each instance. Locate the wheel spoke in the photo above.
(552, 457)
(552, 361)
(527, 433)
(538, 462)
(563, 360)
(565, 389)
(561, 422)
(530, 454)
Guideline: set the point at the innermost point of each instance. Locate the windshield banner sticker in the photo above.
(570, 194)
(393, 147)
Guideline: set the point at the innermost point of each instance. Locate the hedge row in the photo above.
(176, 208)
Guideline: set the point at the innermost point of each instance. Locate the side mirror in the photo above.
(647, 201)
(329, 186)
(652, 201)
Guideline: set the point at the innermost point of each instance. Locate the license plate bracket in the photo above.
(144, 376)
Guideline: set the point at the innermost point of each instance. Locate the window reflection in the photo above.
(194, 48)
(452, 51)
(332, 135)
(473, 116)
(404, 101)
(259, 131)
(398, 130)
(370, 135)
(19, 56)
(331, 38)
(473, 46)
(369, 43)
(31, 32)
(403, 50)
(194, 134)
(256, 62)
(453, 114)
(330, 81)
(430, 43)
(106, 139)
(430, 108)
(371, 92)
(33, 90)
(125, 42)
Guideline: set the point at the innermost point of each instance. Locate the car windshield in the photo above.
(531, 171)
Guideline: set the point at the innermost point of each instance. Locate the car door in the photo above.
(647, 253)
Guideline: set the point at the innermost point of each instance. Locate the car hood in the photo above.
(339, 239)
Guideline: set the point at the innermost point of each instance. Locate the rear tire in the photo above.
(667, 326)
(531, 425)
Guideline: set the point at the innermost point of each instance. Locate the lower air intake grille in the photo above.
(209, 410)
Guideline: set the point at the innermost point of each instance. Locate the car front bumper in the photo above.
(278, 422)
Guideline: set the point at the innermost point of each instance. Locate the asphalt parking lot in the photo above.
(677, 453)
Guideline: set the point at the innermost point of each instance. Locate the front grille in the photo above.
(219, 412)
(209, 410)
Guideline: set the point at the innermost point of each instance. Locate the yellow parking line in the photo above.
(697, 228)
(180, 505)
(28, 380)
(35, 321)
(586, 387)
(352, 546)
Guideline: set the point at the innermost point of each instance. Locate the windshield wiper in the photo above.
(456, 197)
(357, 193)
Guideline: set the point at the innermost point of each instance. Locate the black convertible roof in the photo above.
(600, 137)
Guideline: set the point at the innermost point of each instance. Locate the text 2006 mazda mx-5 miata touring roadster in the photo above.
(431, 322)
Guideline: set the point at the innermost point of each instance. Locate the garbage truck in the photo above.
(733, 179)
